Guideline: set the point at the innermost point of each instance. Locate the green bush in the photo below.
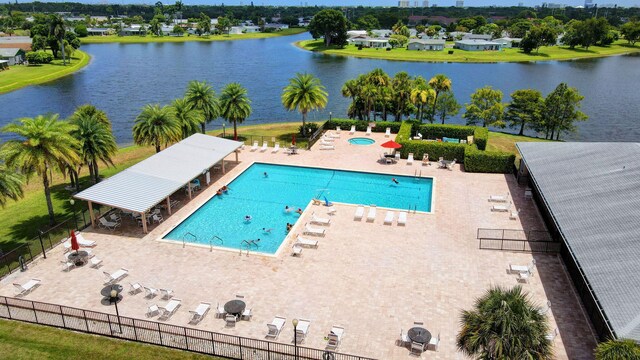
(345, 124)
(480, 137)
(39, 57)
(488, 161)
(438, 131)
(436, 150)
(404, 133)
(310, 127)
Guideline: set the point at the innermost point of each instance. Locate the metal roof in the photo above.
(152, 180)
(9, 52)
(427, 41)
(593, 193)
(476, 42)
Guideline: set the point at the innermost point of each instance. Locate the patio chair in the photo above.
(95, 262)
(255, 146)
(220, 312)
(418, 136)
(451, 165)
(246, 314)
(338, 130)
(335, 337)
(501, 208)
(150, 292)
(115, 218)
(296, 250)
(499, 198)
(166, 293)
(368, 132)
(387, 133)
(67, 265)
(332, 136)
(402, 218)
(331, 210)
(404, 339)
(157, 218)
(265, 145)
(302, 329)
(275, 326)
(170, 308)
(522, 268)
(200, 312)
(425, 160)
(304, 242)
(371, 215)
(230, 320)
(135, 288)
(410, 159)
(514, 214)
(319, 220)
(276, 148)
(29, 286)
(359, 213)
(116, 276)
(546, 309)
(309, 230)
(152, 311)
(84, 242)
(434, 342)
(108, 224)
(327, 147)
(523, 277)
(389, 217)
(552, 336)
(353, 130)
(417, 348)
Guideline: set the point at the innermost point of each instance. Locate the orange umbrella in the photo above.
(74, 242)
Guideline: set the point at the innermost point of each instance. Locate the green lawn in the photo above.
(27, 341)
(499, 141)
(150, 38)
(507, 55)
(19, 76)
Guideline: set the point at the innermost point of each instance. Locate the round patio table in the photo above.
(106, 291)
(419, 335)
(78, 258)
(234, 307)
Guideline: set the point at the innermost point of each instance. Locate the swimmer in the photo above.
(289, 226)
(266, 175)
(299, 211)
(395, 181)
(266, 231)
(219, 192)
(225, 188)
(247, 218)
(287, 208)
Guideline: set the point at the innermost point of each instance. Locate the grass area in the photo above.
(499, 141)
(19, 76)
(151, 39)
(27, 341)
(507, 55)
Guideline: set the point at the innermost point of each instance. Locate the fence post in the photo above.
(44, 254)
(6, 303)
(110, 327)
(30, 253)
(160, 333)
(35, 315)
(213, 344)
(240, 345)
(186, 339)
(135, 333)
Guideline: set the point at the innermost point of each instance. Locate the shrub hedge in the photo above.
(488, 161)
(345, 124)
(480, 137)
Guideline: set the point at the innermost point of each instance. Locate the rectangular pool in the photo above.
(221, 220)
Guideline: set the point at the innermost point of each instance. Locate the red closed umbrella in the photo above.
(293, 139)
(391, 145)
(74, 242)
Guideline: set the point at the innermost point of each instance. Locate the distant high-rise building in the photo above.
(588, 4)
(425, 3)
(459, 3)
(520, 4)
(415, 3)
(403, 3)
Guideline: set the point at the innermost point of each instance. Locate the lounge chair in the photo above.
(81, 241)
(451, 165)
(309, 230)
(425, 160)
(246, 315)
(514, 214)
(387, 133)
(368, 132)
(332, 136)
(359, 213)
(67, 265)
(276, 325)
(296, 250)
(170, 308)
(166, 293)
(524, 277)
(335, 337)
(338, 130)
(434, 342)
(353, 130)
(327, 147)
(276, 148)
(501, 208)
(150, 292)
(108, 224)
(417, 348)
(230, 320)
(553, 335)
(410, 159)
(302, 329)
(115, 218)
(318, 220)
(200, 312)
(402, 218)
(404, 339)
(29, 286)
(265, 145)
(255, 146)
(371, 216)
(95, 262)
(499, 198)
(135, 288)
(157, 218)
(153, 310)
(116, 276)
(522, 268)
(304, 242)
(417, 137)
(220, 312)
(388, 219)
(396, 157)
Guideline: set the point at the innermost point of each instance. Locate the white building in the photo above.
(403, 3)
(459, 3)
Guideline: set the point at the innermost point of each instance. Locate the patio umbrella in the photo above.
(74, 242)
(391, 145)
(293, 139)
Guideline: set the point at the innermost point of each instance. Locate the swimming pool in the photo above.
(361, 141)
(221, 220)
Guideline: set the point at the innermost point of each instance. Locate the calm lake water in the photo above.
(122, 78)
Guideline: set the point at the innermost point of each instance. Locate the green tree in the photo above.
(351, 90)
(188, 118)
(178, 30)
(224, 24)
(204, 25)
(618, 349)
(235, 105)
(447, 106)
(421, 96)
(504, 324)
(11, 184)
(95, 142)
(561, 111)
(81, 30)
(525, 109)
(439, 83)
(486, 108)
(331, 25)
(398, 41)
(57, 30)
(401, 87)
(368, 22)
(519, 29)
(156, 126)
(538, 36)
(201, 97)
(631, 31)
(304, 93)
(41, 144)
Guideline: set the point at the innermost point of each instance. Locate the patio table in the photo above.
(106, 291)
(234, 307)
(78, 258)
(419, 335)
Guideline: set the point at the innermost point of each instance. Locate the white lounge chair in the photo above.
(153, 310)
(524, 277)
(319, 220)
(389, 217)
(410, 159)
(95, 262)
(135, 288)
(402, 218)
(304, 242)
(326, 141)
(553, 335)
(353, 130)
(302, 329)
(296, 250)
(81, 241)
(327, 147)
(514, 214)
(434, 342)
(220, 312)
(522, 268)
(166, 293)
(387, 133)
(499, 198)
(359, 213)
(255, 146)
(246, 315)
(368, 132)
(276, 148)
(29, 286)
(335, 337)
(404, 339)
(371, 215)
(200, 312)
(309, 230)
(116, 276)
(333, 136)
(150, 292)
(108, 224)
(338, 130)
(265, 145)
(170, 308)
(67, 265)
(501, 208)
(451, 164)
(276, 325)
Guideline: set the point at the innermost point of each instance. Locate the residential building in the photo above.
(403, 3)
(368, 42)
(12, 55)
(22, 42)
(426, 44)
(477, 45)
(381, 33)
(507, 42)
(425, 3)
(100, 31)
(354, 33)
(276, 26)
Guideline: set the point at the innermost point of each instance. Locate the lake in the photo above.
(122, 78)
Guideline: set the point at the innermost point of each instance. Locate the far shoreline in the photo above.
(113, 39)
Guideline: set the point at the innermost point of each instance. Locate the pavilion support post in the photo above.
(237, 156)
(169, 205)
(93, 220)
(189, 189)
(143, 216)
(223, 166)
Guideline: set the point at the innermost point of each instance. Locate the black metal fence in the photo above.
(315, 136)
(151, 332)
(517, 240)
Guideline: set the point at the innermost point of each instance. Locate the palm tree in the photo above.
(235, 106)
(96, 141)
(504, 325)
(156, 126)
(10, 185)
(188, 118)
(201, 97)
(351, 89)
(401, 86)
(42, 143)
(90, 110)
(58, 30)
(421, 95)
(304, 93)
(618, 349)
(439, 83)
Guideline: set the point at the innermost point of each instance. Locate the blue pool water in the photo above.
(264, 199)
(361, 141)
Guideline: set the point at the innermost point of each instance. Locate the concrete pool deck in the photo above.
(371, 278)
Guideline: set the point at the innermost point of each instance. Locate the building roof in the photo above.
(15, 40)
(592, 191)
(508, 39)
(147, 183)
(427, 41)
(9, 52)
(476, 42)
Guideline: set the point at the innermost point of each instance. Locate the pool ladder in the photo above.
(185, 236)
(417, 174)
(212, 239)
(414, 207)
(247, 244)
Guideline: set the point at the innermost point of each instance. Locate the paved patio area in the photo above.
(371, 278)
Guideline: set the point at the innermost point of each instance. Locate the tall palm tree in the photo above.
(57, 29)
(188, 118)
(421, 96)
(235, 106)
(351, 89)
(304, 93)
(504, 324)
(96, 142)
(439, 83)
(90, 110)
(156, 126)
(201, 97)
(10, 185)
(401, 86)
(618, 349)
(42, 143)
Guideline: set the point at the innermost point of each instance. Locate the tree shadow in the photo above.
(319, 46)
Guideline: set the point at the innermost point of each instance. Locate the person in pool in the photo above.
(395, 181)
(267, 230)
(247, 218)
(266, 175)
(299, 211)
(219, 192)
(287, 208)
(225, 188)
(289, 226)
